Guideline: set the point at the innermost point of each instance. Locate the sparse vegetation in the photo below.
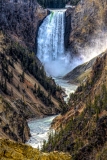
(29, 63)
(14, 53)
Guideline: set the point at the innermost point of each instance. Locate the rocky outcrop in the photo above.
(18, 151)
(88, 27)
(20, 19)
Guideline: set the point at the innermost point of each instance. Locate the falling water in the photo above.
(51, 37)
(50, 41)
(51, 52)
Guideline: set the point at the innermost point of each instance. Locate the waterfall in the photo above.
(50, 43)
(51, 37)
(50, 46)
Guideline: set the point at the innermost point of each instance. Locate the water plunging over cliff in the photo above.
(50, 42)
(51, 37)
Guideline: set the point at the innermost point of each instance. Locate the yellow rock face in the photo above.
(10, 150)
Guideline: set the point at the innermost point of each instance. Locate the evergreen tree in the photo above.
(57, 3)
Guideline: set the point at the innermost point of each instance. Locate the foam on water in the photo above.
(39, 129)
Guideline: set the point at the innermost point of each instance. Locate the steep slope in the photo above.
(25, 87)
(83, 129)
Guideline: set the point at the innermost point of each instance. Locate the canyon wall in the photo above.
(20, 19)
(88, 23)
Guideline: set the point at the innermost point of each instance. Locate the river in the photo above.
(40, 128)
(68, 87)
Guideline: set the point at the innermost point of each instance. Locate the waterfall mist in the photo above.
(97, 45)
(51, 52)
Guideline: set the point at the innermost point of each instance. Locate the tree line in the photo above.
(57, 3)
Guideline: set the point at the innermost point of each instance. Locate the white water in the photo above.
(51, 42)
(39, 129)
(51, 37)
(68, 88)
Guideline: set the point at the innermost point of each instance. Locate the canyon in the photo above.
(26, 92)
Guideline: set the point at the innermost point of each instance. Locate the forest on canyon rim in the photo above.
(57, 3)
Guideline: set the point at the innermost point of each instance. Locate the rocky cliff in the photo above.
(20, 19)
(88, 27)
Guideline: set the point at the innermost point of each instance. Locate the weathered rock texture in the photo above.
(13, 123)
(21, 20)
(88, 23)
(17, 151)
